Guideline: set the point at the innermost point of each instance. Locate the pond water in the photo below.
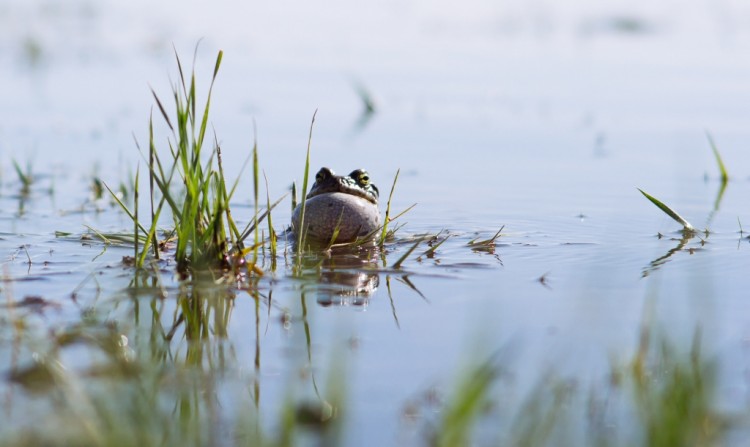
(533, 117)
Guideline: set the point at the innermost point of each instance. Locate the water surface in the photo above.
(539, 119)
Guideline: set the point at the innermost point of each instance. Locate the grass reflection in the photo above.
(166, 371)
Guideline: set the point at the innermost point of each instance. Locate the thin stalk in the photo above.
(300, 230)
(386, 220)
(271, 232)
(135, 206)
(124, 208)
(151, 175)
(255, 195)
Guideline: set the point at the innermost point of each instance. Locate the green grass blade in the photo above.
(300, 230)
(124, 208)
(719, 162)
(150, 240)
(387, 218)
(271, 232)
(401, 260)
(135, 207)
(218, 63)
(163, 111)
(25, 178)
(431, 251)
(253, 223)
(204, 121)
(255, 195)
(463, 410)
(669, 211)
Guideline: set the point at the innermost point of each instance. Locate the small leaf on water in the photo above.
(669, 211)
(722, 168)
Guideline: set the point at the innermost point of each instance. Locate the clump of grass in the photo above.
(485, 245)
(686, 226)
(201, 220)
(205, 231)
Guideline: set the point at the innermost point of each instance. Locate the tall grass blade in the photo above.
(151, 174)
(387, 218)
(669, 211)
(300, 230)
(204, 121)
(226, 196)
(135, 206)
(255, 194)
(271, 232)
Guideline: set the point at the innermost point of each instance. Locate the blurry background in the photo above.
(452, 85)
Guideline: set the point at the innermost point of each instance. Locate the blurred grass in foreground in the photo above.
(171, 382)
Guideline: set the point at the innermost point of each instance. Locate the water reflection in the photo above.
(687, 235)
(661, 260)
(368, 108)
(343, 276)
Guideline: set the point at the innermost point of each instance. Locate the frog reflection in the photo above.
(344, 278)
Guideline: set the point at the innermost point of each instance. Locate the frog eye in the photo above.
(361, 177)
(323, 174)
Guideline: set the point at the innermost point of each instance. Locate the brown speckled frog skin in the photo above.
(349, 202)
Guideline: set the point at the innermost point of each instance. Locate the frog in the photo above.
(347, 202)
